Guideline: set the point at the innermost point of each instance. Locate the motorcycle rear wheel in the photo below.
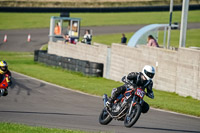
(131, 119)
(104, 117)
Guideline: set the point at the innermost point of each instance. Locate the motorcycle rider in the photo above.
(4, 71)
(139, 79)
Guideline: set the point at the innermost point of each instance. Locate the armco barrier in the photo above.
(83, 66)
(103, 9)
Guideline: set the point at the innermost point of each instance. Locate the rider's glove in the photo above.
(108, 103)
(124, 79)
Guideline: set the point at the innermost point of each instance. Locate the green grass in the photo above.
(20, 128)
(108, 39)
(25, 20)
(23, 63)
(44, 47)
(174, 102)
(42, 20)
(192, 38)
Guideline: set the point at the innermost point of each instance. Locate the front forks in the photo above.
(105, 99)
(131, 106)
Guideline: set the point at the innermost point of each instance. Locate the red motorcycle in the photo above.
(126, 108)
(3, 86)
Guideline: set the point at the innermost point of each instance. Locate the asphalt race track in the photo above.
(17, 39)
(38, 103)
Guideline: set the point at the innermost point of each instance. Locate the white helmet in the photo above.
(148, 72)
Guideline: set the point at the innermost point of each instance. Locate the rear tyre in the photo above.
(5, 92)
(131, 119)
(104, 117)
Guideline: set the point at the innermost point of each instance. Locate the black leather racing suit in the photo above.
(135, 78)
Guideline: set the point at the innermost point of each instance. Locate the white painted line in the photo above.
(28, 77)
(20, 78)
(161, 110)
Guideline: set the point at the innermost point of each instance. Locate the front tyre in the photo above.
(104, 117)
(5, 92)
(131, 119)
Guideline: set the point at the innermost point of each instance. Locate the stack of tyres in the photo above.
(92, 69)
(64, 63)
(36, 54)
(72, 64)
(84, 66)
(41, 57)
(49, 59)
(96, 69)
(44, 58)
(77, 68)
(59, 61)
(53, 60)
(69, 63)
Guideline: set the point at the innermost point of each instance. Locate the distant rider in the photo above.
(139, 79)
(4, 71)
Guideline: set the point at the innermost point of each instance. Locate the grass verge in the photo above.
(87, 3)
(20, 128)
(44, 47)
(42, 20)
(23, 63)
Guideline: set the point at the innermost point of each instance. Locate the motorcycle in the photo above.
(127, 107)
(3, 86)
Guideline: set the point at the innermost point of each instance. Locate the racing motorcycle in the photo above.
(127, 107)
(3, 86)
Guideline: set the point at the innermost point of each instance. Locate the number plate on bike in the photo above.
(139, 92)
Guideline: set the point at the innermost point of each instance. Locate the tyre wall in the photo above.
(86, 67)
(92, 53)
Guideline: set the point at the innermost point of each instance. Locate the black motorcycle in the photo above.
(126, 107)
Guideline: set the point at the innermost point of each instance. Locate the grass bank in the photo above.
(87, 3)
(192, 38)
(20, 128)
(23, 63)
(42, 20)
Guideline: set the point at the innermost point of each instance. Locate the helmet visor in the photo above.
(4, 68)
(150, 75)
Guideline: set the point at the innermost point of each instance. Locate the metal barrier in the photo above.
(98, 9)
(86, 67)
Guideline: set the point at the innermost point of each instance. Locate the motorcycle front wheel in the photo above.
(104, 117)
(131, 119)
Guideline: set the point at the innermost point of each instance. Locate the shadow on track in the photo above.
(20, 86)
(43, 113)
(169, 130)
